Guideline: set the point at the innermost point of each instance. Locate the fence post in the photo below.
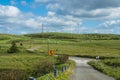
(55, 72)
(63, 69)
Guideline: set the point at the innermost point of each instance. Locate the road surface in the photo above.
(34, 48)
(85, 72)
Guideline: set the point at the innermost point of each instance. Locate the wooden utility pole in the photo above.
(42, 28)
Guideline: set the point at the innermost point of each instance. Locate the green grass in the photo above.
(88, 45)
(91, 48)
(84, 44)
(109, 67)
(62, 75)
(20, 66)
(112, 62)
(74, 46)
(19, 61)
(75, 36)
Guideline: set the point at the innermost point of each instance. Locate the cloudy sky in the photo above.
(70, 16)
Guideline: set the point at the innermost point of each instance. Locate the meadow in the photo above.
(110, 67)
(26, 62)
(105, 45)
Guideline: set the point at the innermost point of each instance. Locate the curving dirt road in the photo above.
(34, 48)
(85, 72)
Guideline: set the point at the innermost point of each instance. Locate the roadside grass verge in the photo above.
(107, 69)
(62, 75)
(21, 66)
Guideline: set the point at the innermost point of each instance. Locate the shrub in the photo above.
(13, 48)
(12, 74)
(62, 75)
(62, 58)
(42, 68)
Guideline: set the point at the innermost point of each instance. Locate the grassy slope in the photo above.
(20, 61)
(73, 44)
(62, 75)
(110, 67)
(76, 36)
(61, 43)
(83, 44)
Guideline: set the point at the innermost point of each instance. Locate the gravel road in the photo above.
(34, 48)
(85, 72)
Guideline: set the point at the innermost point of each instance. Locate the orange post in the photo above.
(51, 52)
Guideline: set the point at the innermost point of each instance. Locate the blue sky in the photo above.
(70, 16)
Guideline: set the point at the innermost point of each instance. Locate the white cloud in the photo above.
(32, 23)
(54, 7)
(106, 31)
(17, 20)
(85, 9)
(10, 11)
(62, 16)
(107, 13)
(52, 19)
(23, 32)
(51, 13)
(111, 24)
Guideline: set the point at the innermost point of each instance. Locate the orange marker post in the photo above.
(51, 52)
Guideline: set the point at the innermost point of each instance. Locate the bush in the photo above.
(62, 75)
(42, 68)
(13, 48)
(12, 74)
(61, 59)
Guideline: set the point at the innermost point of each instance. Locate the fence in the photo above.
(51, 76)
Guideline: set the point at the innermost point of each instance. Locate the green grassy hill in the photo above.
(65, 43)
(105, 45)
(75, 36)
(5, 36)
(21, 63)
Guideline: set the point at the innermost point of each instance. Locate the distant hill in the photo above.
(11, 37)
(5, 36)
(75, 36)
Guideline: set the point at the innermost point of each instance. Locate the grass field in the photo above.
(87, 45)
(74, 44)
(110, 67)
(20, 61)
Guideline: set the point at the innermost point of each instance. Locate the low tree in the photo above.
(42, 68)
(61, 59)
(13, 48)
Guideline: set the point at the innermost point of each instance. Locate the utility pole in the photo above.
(78, 28)
(42, 28)
(78, 31)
